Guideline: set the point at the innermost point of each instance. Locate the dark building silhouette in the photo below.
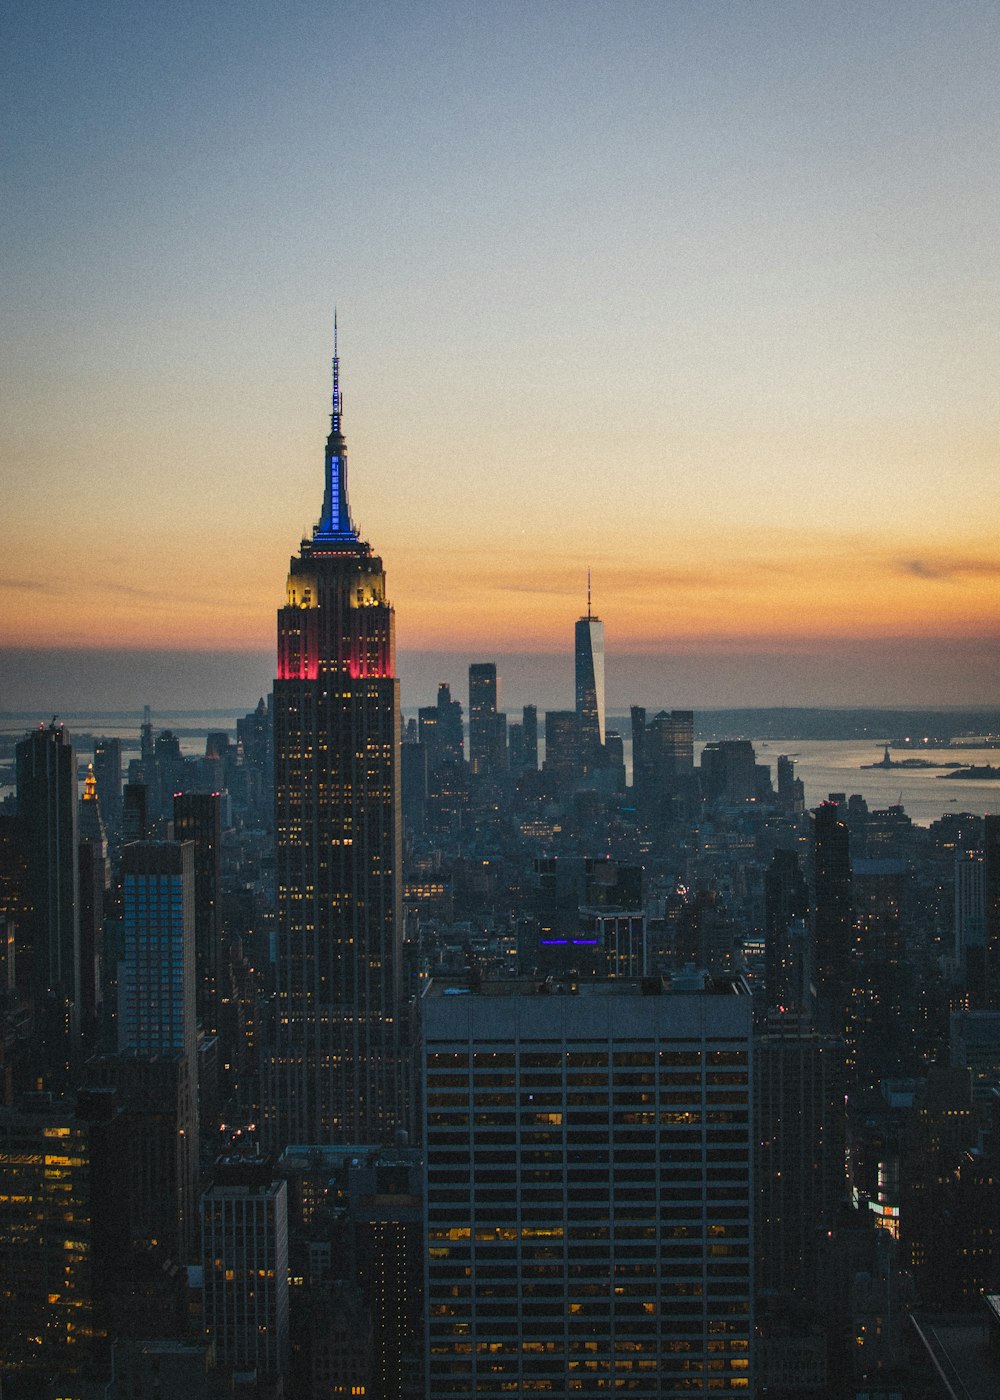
(885, 1029)
(15, 995)
(439, 729)
(791, 793)
(413, 758)
(729, 771)
(47, 808)
(562, 746)
(332, 1066)
(136, 818)
(198, 819)
(663, 773)
(706, 933)
(451, 735)
(990, 994)
(786, 901)
(159, 1197)
(253, 734)
(832, 917)
(529, 726)
(487, 727)
(522, 742)
(94, 879)
(108, 775)
(800, 1135)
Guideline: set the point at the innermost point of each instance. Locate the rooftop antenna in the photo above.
(335, 416)
(588, 592)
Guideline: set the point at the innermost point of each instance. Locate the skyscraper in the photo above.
(108, 775)
(94, 876)
(990, 995)
(244, 1230)
(487, 728)
(786, 901)
(47, 809)
(589, 651)
(332, 1068)
(588, 1188)
(198, 819)
(832, 931)
(61, 1235)
(156, 984)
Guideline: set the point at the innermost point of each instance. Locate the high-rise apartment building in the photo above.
(589, 1185)
(589, 655)
(332, 1067)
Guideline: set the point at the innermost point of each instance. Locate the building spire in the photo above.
(335, 523)
(588, 592)
(335, 415)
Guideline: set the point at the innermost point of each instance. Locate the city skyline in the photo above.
(751, 255)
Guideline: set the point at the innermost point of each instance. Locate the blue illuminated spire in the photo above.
(335, 523)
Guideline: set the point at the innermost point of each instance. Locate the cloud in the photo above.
(31, 585)
(651, 579)
(944, 569)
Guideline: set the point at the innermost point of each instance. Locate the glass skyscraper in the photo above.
(589, 653)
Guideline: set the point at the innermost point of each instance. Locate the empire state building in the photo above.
(332, 1069)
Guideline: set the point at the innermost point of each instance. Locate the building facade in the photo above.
(244, 1221)
(332, 1068)
(156, 981)
(589, 1180)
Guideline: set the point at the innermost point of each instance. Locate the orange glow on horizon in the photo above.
(774, 588)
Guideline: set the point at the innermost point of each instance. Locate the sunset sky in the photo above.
(700, 294)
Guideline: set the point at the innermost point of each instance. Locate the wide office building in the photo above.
(588, 1216)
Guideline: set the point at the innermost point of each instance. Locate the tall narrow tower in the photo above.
(332, 1071)
(589, 651)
